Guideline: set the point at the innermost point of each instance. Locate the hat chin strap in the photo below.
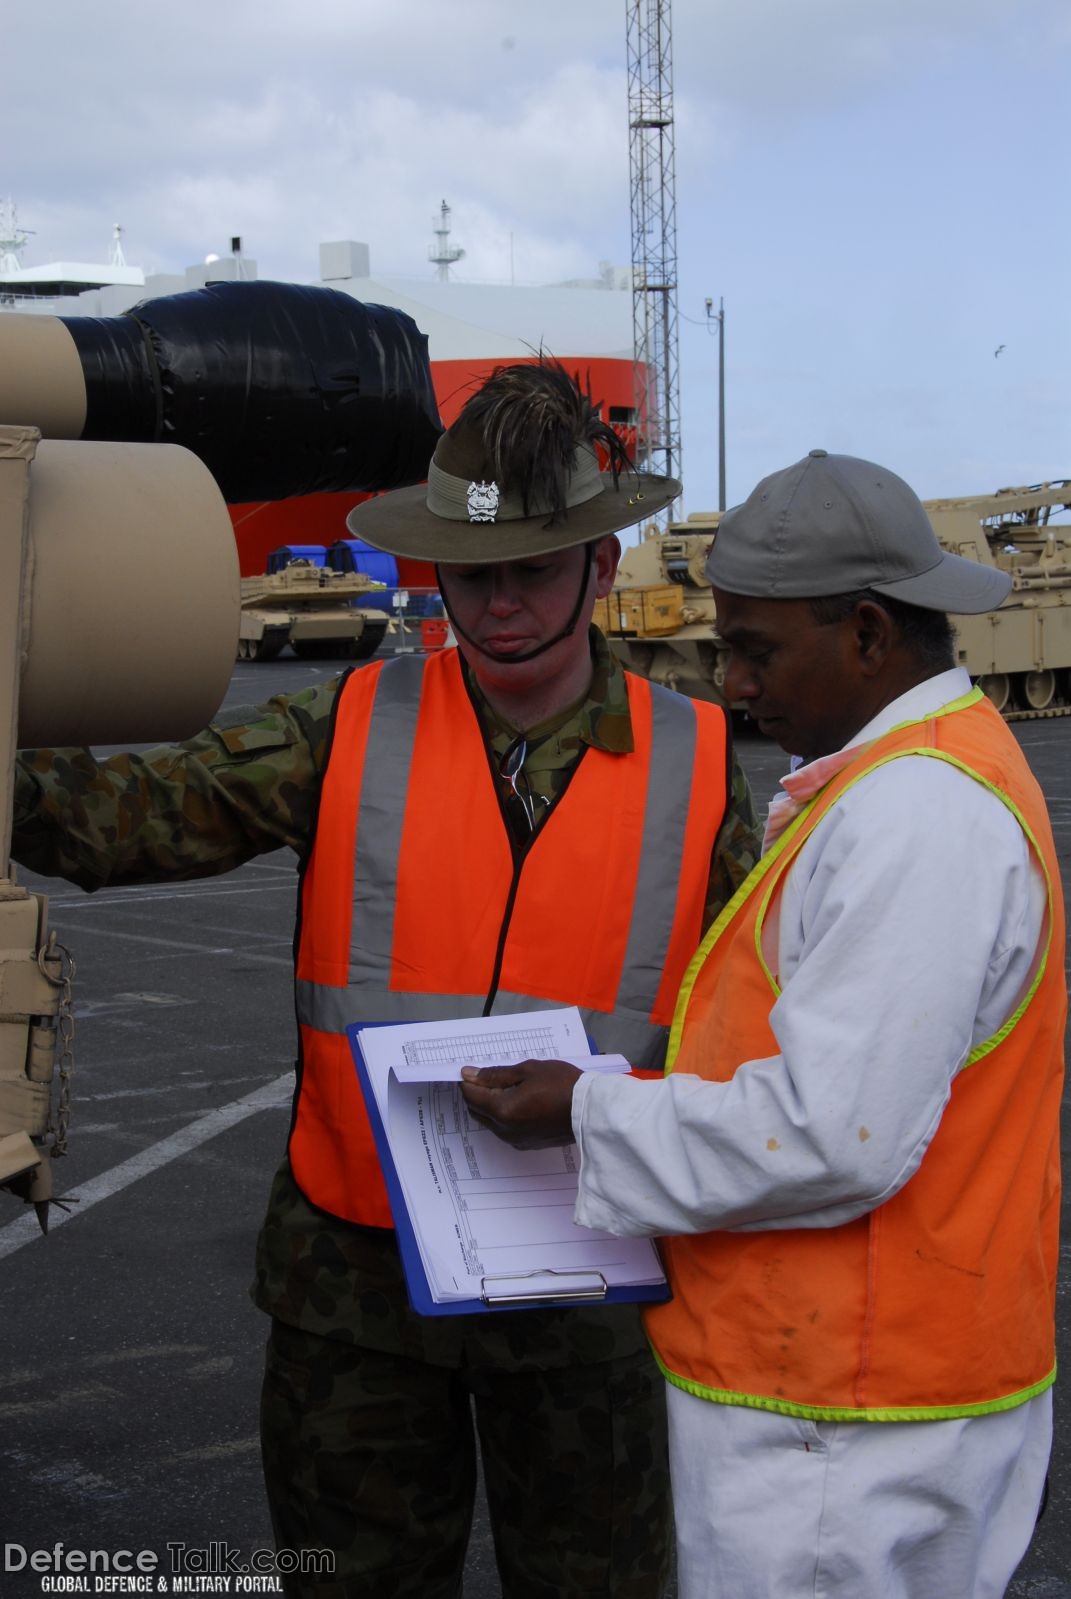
(520, 660)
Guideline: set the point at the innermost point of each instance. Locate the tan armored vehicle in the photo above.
(1021, 654)
(660, 616)
(313, 609)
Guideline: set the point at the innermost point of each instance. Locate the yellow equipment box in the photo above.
(643, 612)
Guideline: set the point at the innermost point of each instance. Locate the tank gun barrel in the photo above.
(1039, 577)
(1010, 503)
(279, 389)
(111, 530)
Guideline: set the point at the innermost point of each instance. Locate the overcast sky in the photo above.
(878, 188)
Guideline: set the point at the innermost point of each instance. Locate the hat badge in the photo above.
(482, 501)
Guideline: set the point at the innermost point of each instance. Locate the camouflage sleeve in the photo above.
(246, 785)
(736, 848)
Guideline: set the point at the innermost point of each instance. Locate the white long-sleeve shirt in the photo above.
(907, 931)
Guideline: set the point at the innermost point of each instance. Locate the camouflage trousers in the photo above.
(372, 1454)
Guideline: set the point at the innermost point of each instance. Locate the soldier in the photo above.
(509, 824)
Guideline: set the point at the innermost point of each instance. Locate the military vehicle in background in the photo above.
(316, 610)
(660, 615)
(1021, 654)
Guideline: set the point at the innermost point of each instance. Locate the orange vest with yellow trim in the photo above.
(415, 905)
(941, 1301)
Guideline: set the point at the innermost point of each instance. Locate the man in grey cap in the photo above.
(853, 1158)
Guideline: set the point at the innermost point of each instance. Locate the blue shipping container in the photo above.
(354, 555)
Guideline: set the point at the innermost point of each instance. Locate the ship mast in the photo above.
(652, 173)
(442, 253)
(13, 239)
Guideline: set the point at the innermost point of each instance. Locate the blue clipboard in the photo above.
(416, 1279)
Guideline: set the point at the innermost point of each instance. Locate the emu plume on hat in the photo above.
(516, 475)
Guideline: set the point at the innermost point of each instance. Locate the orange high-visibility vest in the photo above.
(941, 1301)
(414, 905)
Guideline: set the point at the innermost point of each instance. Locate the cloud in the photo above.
(287, 167)
(340, 117)
(857, 179)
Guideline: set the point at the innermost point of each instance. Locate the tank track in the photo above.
(1016, 715)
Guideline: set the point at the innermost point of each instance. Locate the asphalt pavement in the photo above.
(128, 1395)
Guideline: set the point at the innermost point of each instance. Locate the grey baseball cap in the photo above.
(833, 523)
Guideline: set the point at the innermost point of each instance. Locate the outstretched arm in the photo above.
(244, 786)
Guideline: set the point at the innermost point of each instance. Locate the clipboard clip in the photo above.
(584, 1286)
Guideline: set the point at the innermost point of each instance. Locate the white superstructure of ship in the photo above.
(471, 329)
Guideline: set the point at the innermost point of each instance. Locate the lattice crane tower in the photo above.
(652, 171)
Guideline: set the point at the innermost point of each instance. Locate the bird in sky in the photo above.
(997, 351)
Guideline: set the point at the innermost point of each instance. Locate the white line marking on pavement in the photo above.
(268, 935)
(135, 895)
(115, 1357)
(268, 1097)
(239, 1446)
(154, 1089)
(179, 943)
(96, 1393)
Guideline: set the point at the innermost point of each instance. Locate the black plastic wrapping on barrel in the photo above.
(121, 403)
(279, 388)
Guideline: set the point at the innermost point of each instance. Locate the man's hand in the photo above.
(535, 1097)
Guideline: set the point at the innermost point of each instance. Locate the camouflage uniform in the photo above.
(366, 1404)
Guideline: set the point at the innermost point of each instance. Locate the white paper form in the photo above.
(428, 1052)
(482, 1209)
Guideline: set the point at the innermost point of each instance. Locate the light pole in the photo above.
(718, 316)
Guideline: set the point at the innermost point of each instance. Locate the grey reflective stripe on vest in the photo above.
(384, 785)
(628, 1029)
(673, 743)
(332, 1010)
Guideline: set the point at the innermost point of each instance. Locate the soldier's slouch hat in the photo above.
(518, 474)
